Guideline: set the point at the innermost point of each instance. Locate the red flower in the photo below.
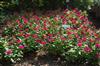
(45, 21)
(65, 11)
(96, 35)
(87, 49)
(20, 26)
(19, 41)
(27, 35)
(62, 17)
(45, 24)
(38, 41)
(78, 13)
(45, 28)
(84, 39)
(75, 10)
(73, 21)
(63, 38)
(91, 40)
(97, 45)
(35, 36)
(25, 20)
(56, 19)
(81, 17)
(98, 55)
(82, 32)
(76, 35)
(90, 23)
(69, 33)
(20, 34)
(79, 44)
(17, 21)
(22, 17)
(51, 40)
(26, 29)
(64, 22)
(43, 42)
(36, 18)
(50, 35)
(8, 52)
(21, 47)
(30, 24)
(36, 28)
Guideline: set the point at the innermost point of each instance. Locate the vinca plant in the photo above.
(70, 35)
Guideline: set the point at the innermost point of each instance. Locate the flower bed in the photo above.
(70, 35)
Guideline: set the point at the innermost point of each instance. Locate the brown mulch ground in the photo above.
(31, 59)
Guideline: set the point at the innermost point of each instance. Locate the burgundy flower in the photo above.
(30, 24)
(79, 44)
(45, 28)
(25, 20)
(26, 29)
(75, 10)
(69, 33)
(56, 19)
(97, 45)
(82, 32)
(27, 35)
(98, 55)
(38, 41)
(21, 34)
(76, 35)
(21, 47)
(51, 40)
(19, 41)
(63, 38)
(84, 39)
(91, 40)
(90, 23)
(20, 26)
(50, 35)
(18, 21)
(78, 13)
(45, 24)
(35, 36)
(36, 28)
(62, 17)
(36, 18)
(96, 35)
(64, 22)
(45, 21)
(87, 49)
(43, 42)
(8, 52)
(82, 17)
(73, 21)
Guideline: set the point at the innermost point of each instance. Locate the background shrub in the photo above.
(45, 4)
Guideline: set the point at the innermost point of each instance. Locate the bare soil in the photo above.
(41, 59)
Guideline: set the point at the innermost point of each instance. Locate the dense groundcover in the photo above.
(70, 35)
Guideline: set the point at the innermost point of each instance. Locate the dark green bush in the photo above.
(84, 4)
(45, 4)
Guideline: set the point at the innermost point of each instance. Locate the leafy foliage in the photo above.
(85, 4)
(70, 35)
